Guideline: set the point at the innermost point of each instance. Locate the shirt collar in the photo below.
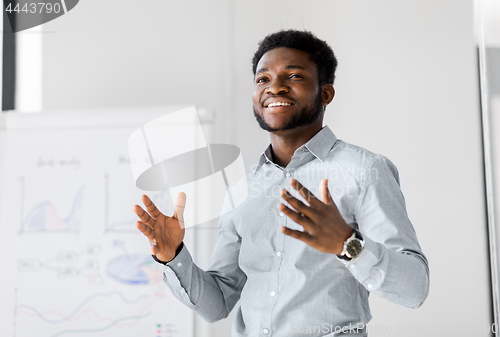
(265, 157)
(319, 145)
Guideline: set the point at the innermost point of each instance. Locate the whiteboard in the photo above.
(72, 262)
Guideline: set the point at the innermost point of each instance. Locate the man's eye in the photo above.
(296, 76)
(261, 80)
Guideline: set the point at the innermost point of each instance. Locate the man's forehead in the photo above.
(287, 67)
(283, 57)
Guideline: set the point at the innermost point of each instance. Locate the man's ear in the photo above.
(327, 94)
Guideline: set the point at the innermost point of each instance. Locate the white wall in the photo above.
(1, 58)
(406, 87)
(128, 53)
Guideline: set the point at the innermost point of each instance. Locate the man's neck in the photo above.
(284, 144)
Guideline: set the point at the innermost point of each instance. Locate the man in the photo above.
(301, 259)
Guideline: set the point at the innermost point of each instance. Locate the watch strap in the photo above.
(355, 235)
(176, 253)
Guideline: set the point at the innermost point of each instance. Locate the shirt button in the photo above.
(179, 264)
(352, 266)
(182, 291)
(278, 253)
(288, 175)
(282, 214)
(369, 286)
(265, 331)
(273, 293)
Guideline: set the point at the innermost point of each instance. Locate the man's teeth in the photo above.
(278, 104)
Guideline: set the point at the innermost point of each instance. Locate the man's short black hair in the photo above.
(320, 51)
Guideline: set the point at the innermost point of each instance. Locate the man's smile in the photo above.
(274, 104)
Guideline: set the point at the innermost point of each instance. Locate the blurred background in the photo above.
(418, 81)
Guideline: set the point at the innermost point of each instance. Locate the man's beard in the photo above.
(306, 116)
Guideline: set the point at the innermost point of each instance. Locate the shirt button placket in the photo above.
(266, 314)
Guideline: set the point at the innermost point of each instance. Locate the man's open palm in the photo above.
(164, 232)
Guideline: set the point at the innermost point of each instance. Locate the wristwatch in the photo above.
(353, 246)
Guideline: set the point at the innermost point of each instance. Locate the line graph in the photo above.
(136, 318)
(88, 311)
(96, 313)
(44, 315)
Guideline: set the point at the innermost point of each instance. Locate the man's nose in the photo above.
(277, 87)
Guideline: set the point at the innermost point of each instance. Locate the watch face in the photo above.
(354, 248)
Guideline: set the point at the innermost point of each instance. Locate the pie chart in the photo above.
(134, 270)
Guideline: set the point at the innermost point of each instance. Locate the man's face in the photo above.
(286, 94)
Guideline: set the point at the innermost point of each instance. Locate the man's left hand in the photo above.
(324, 227)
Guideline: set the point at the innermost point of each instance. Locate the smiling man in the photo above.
(324, 223)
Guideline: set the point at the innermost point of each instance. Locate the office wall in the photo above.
(406, 87)
(124, 53)
(1, 59)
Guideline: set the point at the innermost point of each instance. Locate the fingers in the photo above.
(302, 236)
(179, 205)
(155, 250)
(150, 206)
(305, 193)
(297, 204)
(324, 192)
(149, 233)
(299, 218)
(144, 216)
(146, 230)
(316, 207)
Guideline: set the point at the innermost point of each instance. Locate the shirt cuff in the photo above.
(178, 264)
(177, 270)
(176, 253)
(368, 267)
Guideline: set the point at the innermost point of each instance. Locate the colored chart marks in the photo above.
(91, 315)
(45, 217)
(134, 270)
(73, 262)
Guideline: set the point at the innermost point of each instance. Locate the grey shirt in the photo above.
(286, 287)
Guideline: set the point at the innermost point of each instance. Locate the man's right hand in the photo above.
(164, 232)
